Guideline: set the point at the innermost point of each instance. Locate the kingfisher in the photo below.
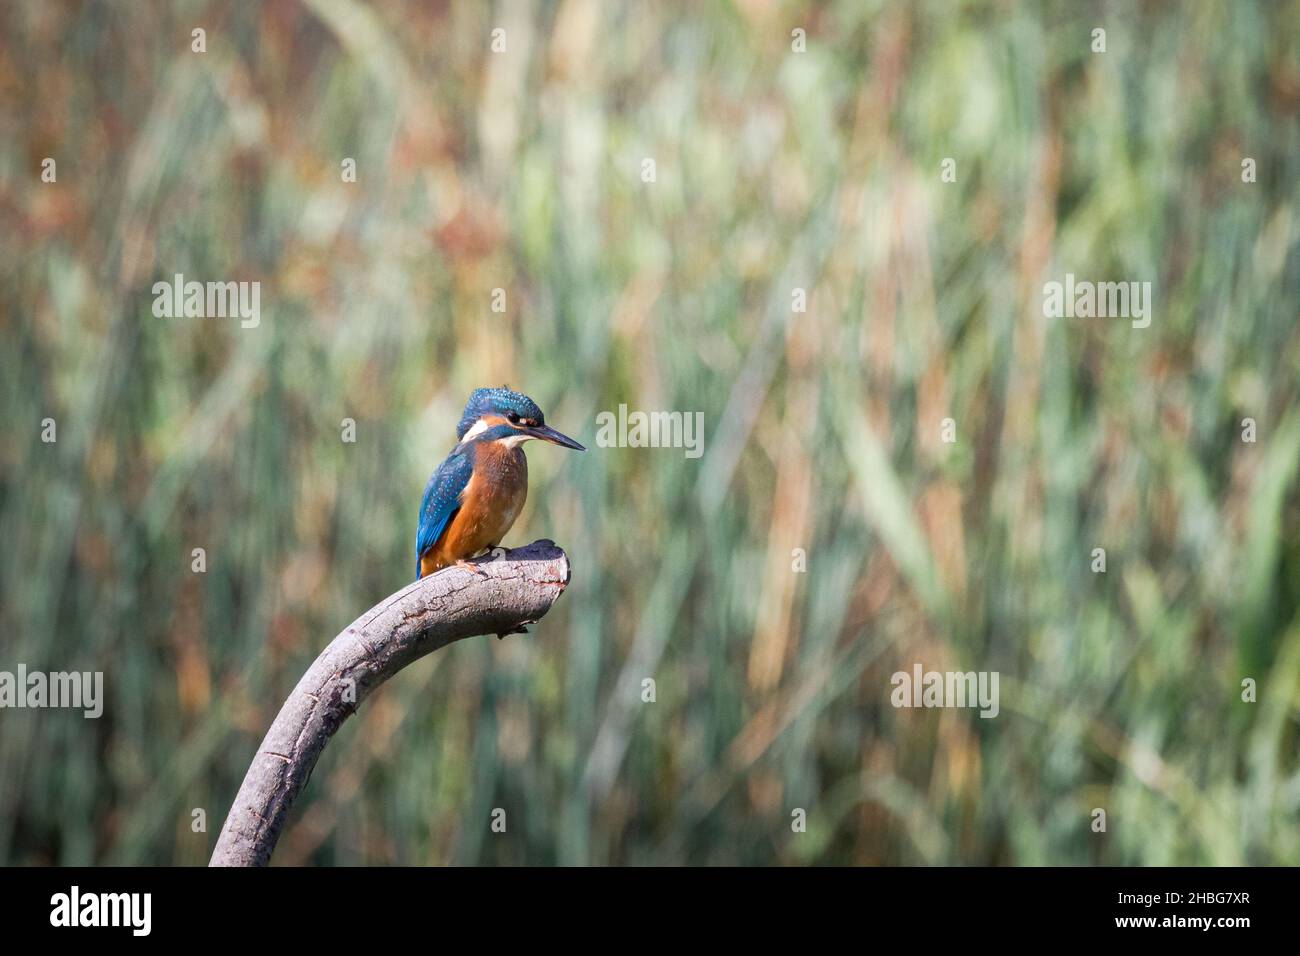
(476, 494)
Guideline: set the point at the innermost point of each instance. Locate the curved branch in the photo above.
(500, 598)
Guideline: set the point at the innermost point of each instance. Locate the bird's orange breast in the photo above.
(490, 503)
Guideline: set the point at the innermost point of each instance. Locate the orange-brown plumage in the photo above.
(490, 504)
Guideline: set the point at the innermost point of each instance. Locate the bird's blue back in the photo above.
(442, 498)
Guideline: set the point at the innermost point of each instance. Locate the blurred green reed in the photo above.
(774, 170)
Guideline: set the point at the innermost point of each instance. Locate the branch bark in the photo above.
(508, 593)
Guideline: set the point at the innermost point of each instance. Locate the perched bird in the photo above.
(477, 492)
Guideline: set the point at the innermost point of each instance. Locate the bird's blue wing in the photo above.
(441, 501)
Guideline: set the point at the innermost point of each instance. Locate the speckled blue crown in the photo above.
(497, 401)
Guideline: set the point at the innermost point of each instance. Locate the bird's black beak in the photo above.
(547, 433)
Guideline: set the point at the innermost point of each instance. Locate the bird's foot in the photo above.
(470, 566)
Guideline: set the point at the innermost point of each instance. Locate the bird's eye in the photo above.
(512, 418)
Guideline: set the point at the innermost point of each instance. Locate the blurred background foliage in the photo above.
(776, 170)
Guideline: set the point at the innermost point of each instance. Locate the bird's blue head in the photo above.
(500, 413)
